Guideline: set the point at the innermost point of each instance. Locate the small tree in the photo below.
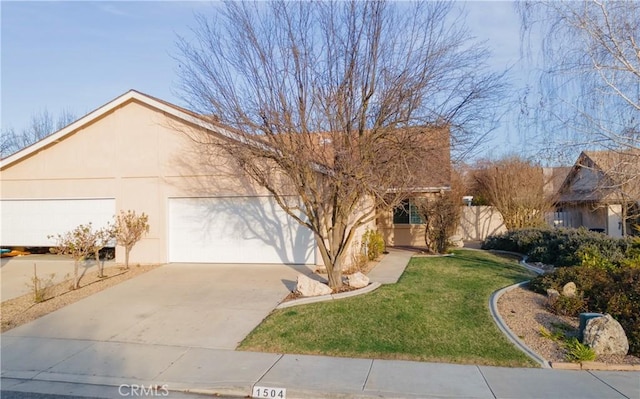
(78, 243)
(441, 215)
(101, 238)
(128, 230)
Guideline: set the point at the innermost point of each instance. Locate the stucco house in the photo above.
(131, 154)
(601, 192)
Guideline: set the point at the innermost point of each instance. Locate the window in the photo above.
(407, 213)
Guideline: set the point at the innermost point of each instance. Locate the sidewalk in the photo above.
(99, 368)
(234, 373)
(391, 267)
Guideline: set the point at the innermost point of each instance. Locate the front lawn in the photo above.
(438, 311)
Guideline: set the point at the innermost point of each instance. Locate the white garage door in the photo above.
(29, 222)
(236, 230)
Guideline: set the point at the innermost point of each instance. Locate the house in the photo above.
(132, 154)
(403, 226)
(601, 192)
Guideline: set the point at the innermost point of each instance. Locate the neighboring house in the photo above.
(131, 154)
(601, 192)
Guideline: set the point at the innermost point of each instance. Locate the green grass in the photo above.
(438, 311)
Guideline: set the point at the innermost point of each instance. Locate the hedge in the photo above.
(558, 247)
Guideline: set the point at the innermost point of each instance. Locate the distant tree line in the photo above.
(41, 125)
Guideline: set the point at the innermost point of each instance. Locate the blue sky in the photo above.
(79, 55)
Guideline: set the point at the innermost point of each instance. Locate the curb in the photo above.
(523, 260)
(596, 366)
(493, 308)
(323, 298)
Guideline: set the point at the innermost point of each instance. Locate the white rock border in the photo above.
(323, 298)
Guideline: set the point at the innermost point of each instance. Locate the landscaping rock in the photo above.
(357, 280)
(606, 336)
(552, 296)
(308, 287)
(456, 241)
(569, 289)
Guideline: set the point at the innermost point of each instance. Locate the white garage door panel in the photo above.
(236, 230)
(29, 222)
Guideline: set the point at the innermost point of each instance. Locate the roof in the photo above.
(554, 177)
(436, 158)
(130, 96)
(611, 174)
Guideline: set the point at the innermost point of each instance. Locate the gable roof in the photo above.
(130, 96)
(613, 171)
(438, 159)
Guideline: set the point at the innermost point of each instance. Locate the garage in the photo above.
(236, 230)
(28, 222)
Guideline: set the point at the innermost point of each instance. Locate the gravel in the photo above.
(525, 313)
(21, 310)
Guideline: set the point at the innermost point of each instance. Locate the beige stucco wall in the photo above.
(479, 222)
(133, 154)
(476, 223)
(400, 235)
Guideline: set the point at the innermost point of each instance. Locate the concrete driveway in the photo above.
(192, 305)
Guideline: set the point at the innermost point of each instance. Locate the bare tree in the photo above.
(441, 214)
(128, 229)
(590, 77)
(8, 142)
(333, 105)
(41, 125)
(516, 188)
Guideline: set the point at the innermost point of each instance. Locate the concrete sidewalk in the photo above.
(391, 266)
(54, 363)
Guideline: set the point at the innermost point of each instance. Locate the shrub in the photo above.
(569, 306)
(560, 247)
(578, 352)
(78, 243)
(41, 286)
(374, 244)
(614, 290)
(605, 270)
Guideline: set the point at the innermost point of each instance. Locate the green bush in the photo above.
(569, 306)
(374, 243)
(561, 247)
(613, 290)
(605, 270)
(578, 352)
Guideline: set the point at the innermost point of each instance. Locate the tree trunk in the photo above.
(76, 279)
(100, 265)
(126, 257)
(335, 276)
(333, 266)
